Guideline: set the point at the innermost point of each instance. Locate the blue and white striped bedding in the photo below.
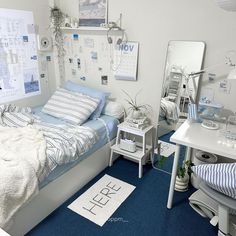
(221, 177)
(64, 143)
(47, 120)
(169, 111)
(13, 116)
(97, 125)
(65, 146)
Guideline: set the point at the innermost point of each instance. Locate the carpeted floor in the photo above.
(143, 213)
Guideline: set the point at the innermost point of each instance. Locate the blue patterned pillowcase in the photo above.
(221, 177)
(73, 107)
(102, 96)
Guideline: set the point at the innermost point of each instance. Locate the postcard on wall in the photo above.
(126, 61)
(92, 13)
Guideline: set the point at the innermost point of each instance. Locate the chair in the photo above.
(226, 205)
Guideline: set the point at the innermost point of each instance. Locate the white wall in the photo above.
(153, 23)
(40, 10)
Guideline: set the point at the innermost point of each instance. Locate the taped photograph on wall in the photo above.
(92, 13)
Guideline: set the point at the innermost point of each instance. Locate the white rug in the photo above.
(101, 200)
(166, 149)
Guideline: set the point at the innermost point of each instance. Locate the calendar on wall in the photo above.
(126, 61)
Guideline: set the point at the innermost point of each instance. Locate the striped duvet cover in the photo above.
(30, 150)
(65, 143)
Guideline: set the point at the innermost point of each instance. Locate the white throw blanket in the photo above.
(22, 159)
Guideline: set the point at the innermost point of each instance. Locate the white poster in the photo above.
(126, 61)
(19, 75)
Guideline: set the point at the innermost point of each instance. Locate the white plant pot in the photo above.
(181, 184)
(135, 114)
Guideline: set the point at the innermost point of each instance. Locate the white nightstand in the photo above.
(143, 149)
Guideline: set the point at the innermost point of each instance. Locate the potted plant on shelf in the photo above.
(182, 178)
(135, 110)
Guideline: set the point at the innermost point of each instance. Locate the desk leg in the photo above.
(188, 153)
(173, 176)
(140, 169)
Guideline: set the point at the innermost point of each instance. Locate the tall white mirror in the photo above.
(183, 58)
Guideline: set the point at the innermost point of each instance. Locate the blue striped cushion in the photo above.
(221, 177)
(70, 106)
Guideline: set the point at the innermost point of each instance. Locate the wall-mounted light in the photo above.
(228, 5)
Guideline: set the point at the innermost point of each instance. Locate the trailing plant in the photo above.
(185, 169)
(57, 20)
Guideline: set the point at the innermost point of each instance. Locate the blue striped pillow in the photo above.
(73, 107)
(94, 93)
(221, 177)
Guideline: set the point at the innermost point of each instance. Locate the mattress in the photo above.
(98, 125)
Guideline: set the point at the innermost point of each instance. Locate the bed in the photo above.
(74, 153)
(168, 117)
(81, 171)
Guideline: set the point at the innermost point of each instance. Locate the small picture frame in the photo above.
(104, 80)
(92, 13)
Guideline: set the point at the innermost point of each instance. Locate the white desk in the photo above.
(195, 136)
(3, 233)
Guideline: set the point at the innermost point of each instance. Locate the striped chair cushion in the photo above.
(221, 177)
(73, 107)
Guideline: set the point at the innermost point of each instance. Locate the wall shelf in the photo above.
(85, 29)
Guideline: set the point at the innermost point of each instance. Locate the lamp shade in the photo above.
(232, 74)
(228, 5)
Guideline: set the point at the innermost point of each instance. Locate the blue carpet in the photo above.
(143, 213)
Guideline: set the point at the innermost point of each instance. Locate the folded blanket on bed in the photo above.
(22, 160)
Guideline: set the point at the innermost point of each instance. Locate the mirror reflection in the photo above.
(183, 58)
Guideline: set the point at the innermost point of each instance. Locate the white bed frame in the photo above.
(58, 191)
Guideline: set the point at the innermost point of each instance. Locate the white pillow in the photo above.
(114, 109)
(70, 106)
(221, 177)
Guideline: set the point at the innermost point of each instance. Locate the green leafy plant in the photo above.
(185, 169)
(134, 106)
(162, 161)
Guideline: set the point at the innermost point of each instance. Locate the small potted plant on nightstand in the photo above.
(182, 178)
(135, 110)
